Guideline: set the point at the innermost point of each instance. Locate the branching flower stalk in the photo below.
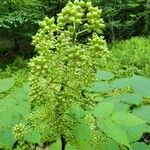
(64, 66)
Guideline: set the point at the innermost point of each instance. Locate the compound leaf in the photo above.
(104, 75)
(114, 131)
(6, 84)
(126, 119)
(104, 110)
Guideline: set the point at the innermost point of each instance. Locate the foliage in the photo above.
(107, 115)
(73, 104)
(14, 109)
(125, 18)
(117, 123)
(129, 57)
(17, 16)
(60, 74)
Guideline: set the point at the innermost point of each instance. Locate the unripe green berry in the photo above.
(79, 15)
(88, 4)
(70, 4)
(89, 15)
(91, 9)
(71, 29)
(82, 3)
(76, 2)
(61, 18)
(78, 21)
(95, 14)
(73, 12)
(71, 19)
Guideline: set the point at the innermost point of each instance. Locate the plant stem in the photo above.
(63, 142)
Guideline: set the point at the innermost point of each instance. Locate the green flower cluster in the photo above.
(19, 131)
(64, 66)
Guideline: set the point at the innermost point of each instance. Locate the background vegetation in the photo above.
(18, 21)
(124, 76)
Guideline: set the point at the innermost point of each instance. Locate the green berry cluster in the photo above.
(95, 23)
(64, 65)
(19, 131)
(98, 45)
(72, 13)
(44, 39)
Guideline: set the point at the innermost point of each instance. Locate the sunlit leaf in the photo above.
(126, 119)
(120, 83)
(143, 112)
(103, 110)
(33, 136)
(101, 87)
(6, 84)
(140, 146)
(114, 131)
(56, 145)
(82, 134)
(131, 98)
(141, 85)
(135, 133)
(104, 75)
(6, 138)
(70, 147)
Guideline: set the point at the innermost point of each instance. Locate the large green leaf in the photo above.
(141, 85)
(107, 144)
(76, 112)
(33, 136)
(6, 84)
(121, 83)
(56, 145)
(70, 147)
(14, 108)
(135, 133)
(6, 138)
(103, 110)
(104, 75)
(143, 112)
(140, 146)
(114, 131)
(131, 98)
(121, 107)
(101, 87)
(126, 119)
(82, 134)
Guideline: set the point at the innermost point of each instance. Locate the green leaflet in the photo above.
(76, 112)
(143, 112)
(135, 133)
(33, 136)
(114, 131)
(140, 146)
(131, 98)
(82, 134)
(103, 110)
(101, 87)
(120, 83)
(6, 138)
(56, 145)
(14, 108)
(70, 147)
(108, 144)
(121, 107)
(126, 119)
(141, 85)
(104, 75)
(6, 84)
